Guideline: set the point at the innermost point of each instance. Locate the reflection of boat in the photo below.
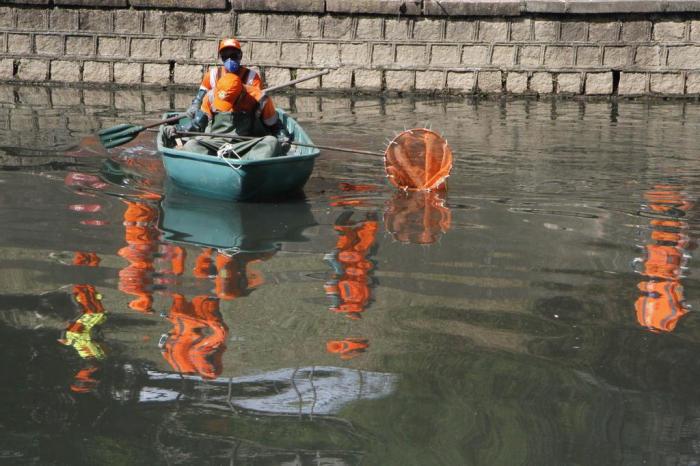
(229, 179)
(418, 217)
(244, 227)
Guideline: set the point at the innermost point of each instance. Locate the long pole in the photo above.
(301, 144)
(296, 81)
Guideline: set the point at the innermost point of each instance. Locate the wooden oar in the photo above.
(121, 134)
(294, 143)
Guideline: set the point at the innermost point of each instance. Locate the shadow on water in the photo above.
(538, 312)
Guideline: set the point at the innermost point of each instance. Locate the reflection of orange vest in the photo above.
(357, 237)
(665, 198)
(87, 259)
(204, 264)
(197, 340)
(355, 292)
(230, 279)
(175, 255)
(141, 235)
(137, 278)
(668, 237)
(352, 286)
(661, 305)
(139, 212)
(663, 261)
(89, 300)
(347, 348)
(234, 277)
(84, 380)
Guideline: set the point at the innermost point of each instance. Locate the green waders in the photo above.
(236, 124)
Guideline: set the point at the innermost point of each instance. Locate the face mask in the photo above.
(232, 66)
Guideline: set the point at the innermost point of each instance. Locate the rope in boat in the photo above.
(227, 149)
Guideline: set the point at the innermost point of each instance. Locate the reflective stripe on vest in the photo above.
(247, 78)
(214, 74)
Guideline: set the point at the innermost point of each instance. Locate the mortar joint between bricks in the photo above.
(647, 88)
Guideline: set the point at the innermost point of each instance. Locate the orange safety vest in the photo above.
(250, 100)
(248, 77)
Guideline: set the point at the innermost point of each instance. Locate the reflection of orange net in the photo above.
(417, 217)
(418, 159)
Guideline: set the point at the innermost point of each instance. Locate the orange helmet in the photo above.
(230, 42)
(227, 91)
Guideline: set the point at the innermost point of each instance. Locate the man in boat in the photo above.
(230, 54)
(235, 109)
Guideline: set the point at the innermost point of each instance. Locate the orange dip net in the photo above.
(418, 159)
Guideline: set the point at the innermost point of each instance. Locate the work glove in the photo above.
(170, 132)
(169, 135)
(192, 110)
(285, 143)
(196, 104)
(283, 138)
(199, 122)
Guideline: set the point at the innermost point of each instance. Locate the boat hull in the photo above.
(241, 180)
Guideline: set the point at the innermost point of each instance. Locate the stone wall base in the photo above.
(627, 54)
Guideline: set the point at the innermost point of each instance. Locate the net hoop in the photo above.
(418, 159)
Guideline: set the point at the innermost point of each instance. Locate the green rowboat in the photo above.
(239, 179)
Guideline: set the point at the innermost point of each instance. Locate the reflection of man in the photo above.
(661, 304)
(197, 341)
(349, 285)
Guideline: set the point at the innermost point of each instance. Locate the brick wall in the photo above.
(468, 46)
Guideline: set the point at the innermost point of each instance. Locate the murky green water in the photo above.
(538, 314)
